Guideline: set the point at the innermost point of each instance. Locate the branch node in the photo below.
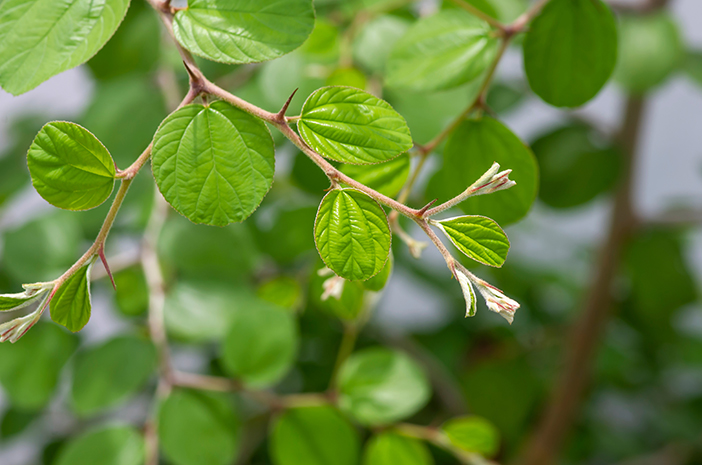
(426, 207)
(280, 116)
(196, 81)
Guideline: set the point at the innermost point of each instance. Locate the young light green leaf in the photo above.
(473, 434)
(470, 150)
(478, 237)
(386, 178)
(352, 234)
(467, 289)
(570, 51)
(70, 168)
(650, 49)
(441, 52)
(243, 31)
(352, 126)
(198, 428)
(9, 302)
(116, 445)
(380, 386)
(390, 448)
(71, 304)
(213, 164)
(261, 344)
(42, 38)
(104, 376)
(29, 370)
(313, 436)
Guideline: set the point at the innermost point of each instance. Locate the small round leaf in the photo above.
(380, 386)
(313, 436)
(261, 344)
(117, 445)
(352, 234)
(473, 434)
(478, 237)
(352, 126)
(390, 448)
(243, 31)
(213, 164)
(570, 51)
(70, 168)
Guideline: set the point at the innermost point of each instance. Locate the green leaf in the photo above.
(106, 375)
(390, 448)
(261, 344)
(352, 126)
(70, 168)
(197, 428)
(473, 434)
(378, 282)
(15, 422)
(313, 436)
(441, 52)
(387, 178)
(650, 49)
(30, 368)
(71, 304)
(116, 445)
(352, 234)
(283, 291)
(323, 44)
(576, 166)
(243, 31)
(570, 51)
(132, 294)
(347, 76)
(380, 386)
(213, 164)
(470, 151)
(372, 45)
(478, 237)
(42, 38)
(9, 302)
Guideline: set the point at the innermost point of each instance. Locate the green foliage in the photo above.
(478, 237)
(41, 38)
(352, 234)
(650, 49)
(380, 386)
(261, 344)
(473, 434)
(71, 305)
(352, 126)
(70, 168)
(570, 41)
(313, 436)
(441, 52)
(106, 375)
(389, 448)
(374, 42)
(213, 164)
(198, 428)
(486, 141)
(242, 31)
(29, 370)
(116, 445)
(386, 178)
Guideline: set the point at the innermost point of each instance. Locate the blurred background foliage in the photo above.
(227, 286)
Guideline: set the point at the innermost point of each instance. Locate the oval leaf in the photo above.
(441, 52)
(478, 237)
(104, 376)
(261, 344)
(387, 178)
(390, 449)
(117, 445)
(198, 428)
(70, 168)
(213, 164)
(42, 38)
(352, 234)
(570, 51)
(243, 31)
(313, 436)
(381, 386)
(473, 434)
(470, 151)
(71, 304)
(352, 126)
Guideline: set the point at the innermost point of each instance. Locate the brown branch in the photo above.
(560, 414)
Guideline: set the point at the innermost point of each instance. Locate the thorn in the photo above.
(101, 253)
(426, 207)
(195, 77)
(281, 114)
